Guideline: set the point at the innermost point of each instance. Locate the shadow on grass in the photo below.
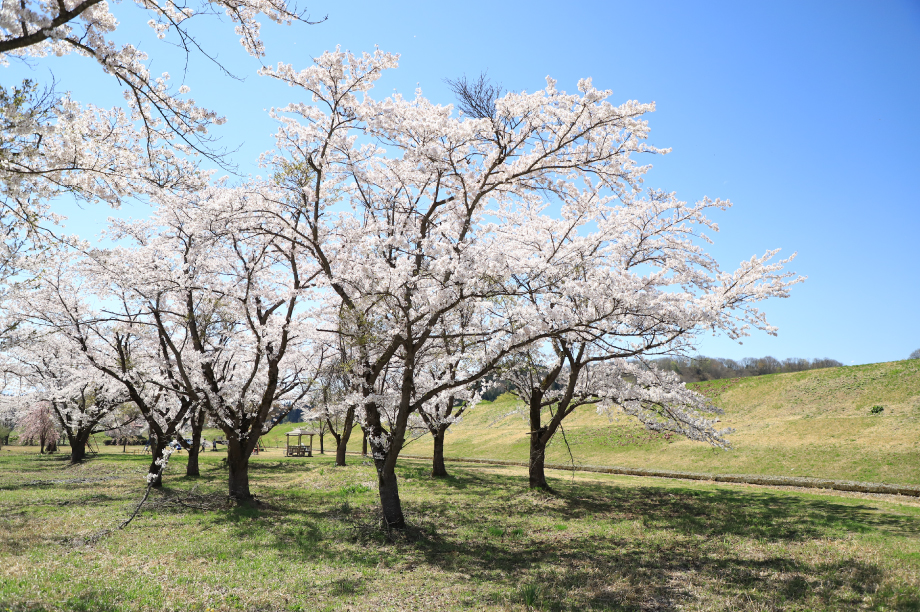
(646, 548)
(88, 601)
(760, 515)
(589, 545)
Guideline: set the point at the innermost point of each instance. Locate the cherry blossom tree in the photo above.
(453, 353)
(197, 418)
(80, 396)
(127, 423)
(331, 407)
(51, 145)
(553, 387)
(225, 304)
(626, 282)
(39, 425)
(412, 212)
(438, 415)
(9, 408)
(69, 301)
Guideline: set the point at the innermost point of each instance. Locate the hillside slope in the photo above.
(815, 423)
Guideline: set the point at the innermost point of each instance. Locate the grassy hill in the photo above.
(816, 423)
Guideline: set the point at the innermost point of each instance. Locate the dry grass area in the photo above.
(479, 540)
(815, 424)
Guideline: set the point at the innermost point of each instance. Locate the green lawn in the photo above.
(816, 424)
(479, 540)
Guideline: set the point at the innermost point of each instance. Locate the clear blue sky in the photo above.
(804, 114)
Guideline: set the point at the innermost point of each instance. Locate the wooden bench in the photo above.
(301, 450)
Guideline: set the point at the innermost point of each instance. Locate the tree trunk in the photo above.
(389, 495)
(364, 447)
(157, 449)
(438, 470)
(340, 450)
(321, 451)
(77, 447)
(197, 425)
(238, 462)
(342, 440)
(192, 468)
(537, 460)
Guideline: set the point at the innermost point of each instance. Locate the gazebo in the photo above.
(299, 449)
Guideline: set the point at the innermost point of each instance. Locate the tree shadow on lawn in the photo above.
(87, 601)
(758, 514)
(458, 479)
(33, 471)
(673, 543)
(655, 569)
(724, 511)
(755, 515)
(671, 579)
(466, 476)
(53, 483)
(119, 457)
(591, 545)
(612, 573)
(275, 464)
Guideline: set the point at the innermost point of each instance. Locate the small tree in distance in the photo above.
(331, 414)
(127, 423)
(915, 354)
(332, 408)
(38, 426)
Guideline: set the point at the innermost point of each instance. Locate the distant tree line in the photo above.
(694, 369)
(294, 416)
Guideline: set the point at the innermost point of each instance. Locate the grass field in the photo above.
(815, 424)
(479, 540)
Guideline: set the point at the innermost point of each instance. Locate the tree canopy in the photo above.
(398, 255)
